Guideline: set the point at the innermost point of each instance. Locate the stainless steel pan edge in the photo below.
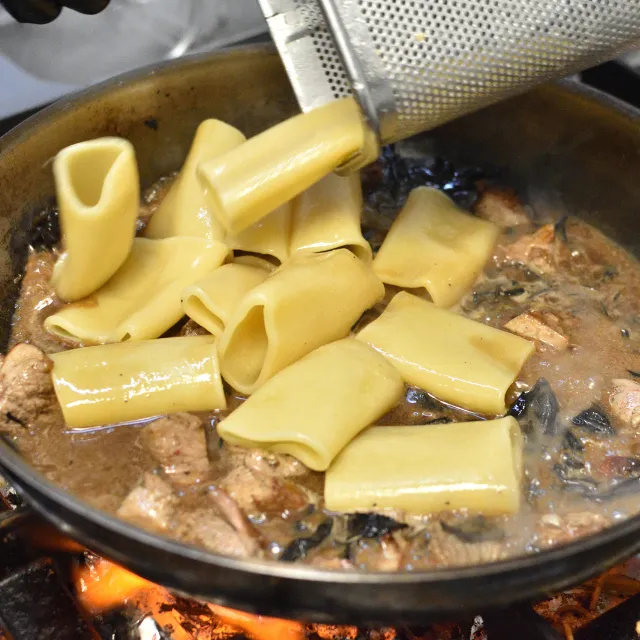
(532, 138)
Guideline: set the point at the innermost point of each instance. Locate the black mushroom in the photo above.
(537, 409)
(298, 548)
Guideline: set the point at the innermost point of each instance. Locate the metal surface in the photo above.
(420, 63)
(565, 149)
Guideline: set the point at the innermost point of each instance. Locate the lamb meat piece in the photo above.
(257, 492)
(150, 505)
(229, 509)
(449, 549)
(534, 250)
(536, 326)
(192, 328)
(26, 387)
(205, 527)
(279, 465)
(553, 529)
(379, 554)
(624, 401)
(501, 207)
(178, 443)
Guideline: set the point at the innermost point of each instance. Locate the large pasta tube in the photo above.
(98, 192)
(211, 301)
(135, 380)
(456, 359)
(434, 244)
(143, 299)
(427, 469)
(273, 167)
(313, 408)
(185, 209)
(269, 236)
(327, 216)
(306, 303)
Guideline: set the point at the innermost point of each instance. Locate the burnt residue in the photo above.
(537, 409)
(633, 374)
(152, 123)
(372, 525)
(473, 529)
(595, 421)
(393, 176)
(44, 232)
(300, 547)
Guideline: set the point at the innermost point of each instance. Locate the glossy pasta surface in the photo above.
(340, 388)
(458, 360)
(98, 195)
(429, 469)
(134, 380)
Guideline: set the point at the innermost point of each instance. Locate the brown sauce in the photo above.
(176, 477)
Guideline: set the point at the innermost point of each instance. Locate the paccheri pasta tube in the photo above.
(306, 303)
(327, 216)
(143, 299)
(313, 408)
(434, 244)
(211, 301)
(431, 468)
(135, 380)
(269, 236)
(273, 167)
(456, 359)
(185, 209)
(98, 191)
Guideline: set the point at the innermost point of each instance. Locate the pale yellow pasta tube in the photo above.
(306, 303)
(456, 359)
(135, 380)
(143, 299)
(211, 301)
(432, 468)
(327, 216)
(269, 236)
(434, 244)
(98, 192)
(273, 167)
(313, 408)
(185, 209)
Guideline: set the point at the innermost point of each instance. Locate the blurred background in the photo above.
(40, 63)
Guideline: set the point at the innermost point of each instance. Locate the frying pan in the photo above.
(564, 147)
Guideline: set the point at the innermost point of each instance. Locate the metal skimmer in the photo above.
(415, 64)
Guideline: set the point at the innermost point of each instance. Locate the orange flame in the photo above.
(102, 585)
(260, 627)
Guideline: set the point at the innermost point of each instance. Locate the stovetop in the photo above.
(41, 595)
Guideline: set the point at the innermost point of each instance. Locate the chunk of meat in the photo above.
(624, 401)
(534, 250)
(448, 549)
(257, 492)
(279, 465)
(228, 507)
(178, 443)
(204, 527)
(535, 326)
(192, 328)
(502, 208)
(379, 554)
(26, 387)
(554, 529)
(150, 505)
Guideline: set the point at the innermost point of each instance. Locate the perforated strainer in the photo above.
(415, 64)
